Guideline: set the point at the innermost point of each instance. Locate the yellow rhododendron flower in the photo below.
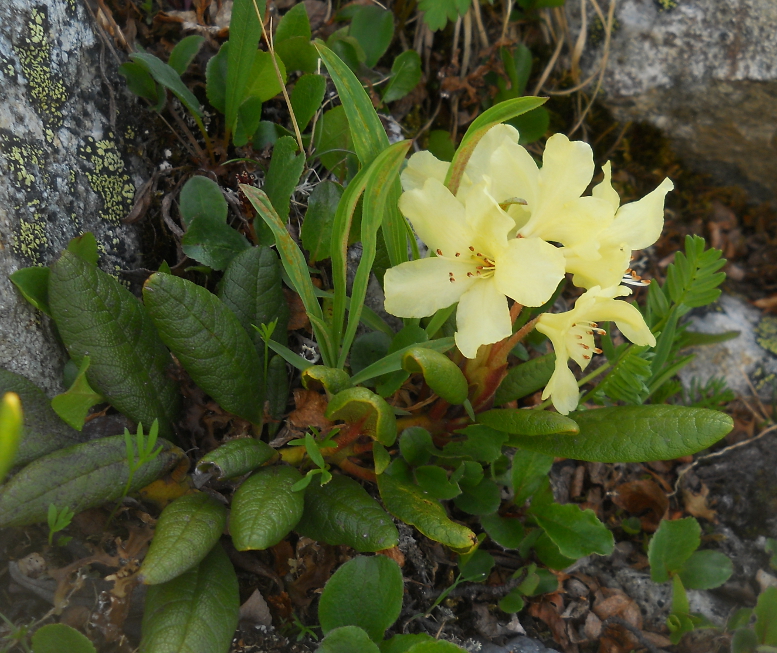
(572, 336)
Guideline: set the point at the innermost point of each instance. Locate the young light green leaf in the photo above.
(184, 52)
(405, 75)
(55, 638)
(441, 374)
(201, 196)
(263, 81)
(11, 424)
(73, 406)
(295, 22)
(347, 639)
(672, 545)
(370, 411)
(373, 28)
(244, 34)
(577, 533)
(209, 342)
(97, 317)
(437, 13)
(236, 457)
(364, 592)
(212, 242)
(265, 509)
(525, 379)
(187, 530)
(283, 175)
(330, 379)
(197, 611)
(706, 570)
(634, 433)
(80, 476)
(528, 422)
(33, 284)
(170, 79)
(341, 512)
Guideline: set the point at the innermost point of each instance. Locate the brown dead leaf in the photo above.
(645, 496)
(309, 410)
(767, 303)
(256, 611)
(298, 317)
(395, 554)
(592, 628)
(696, 504)
(548, 610)
(618, 604)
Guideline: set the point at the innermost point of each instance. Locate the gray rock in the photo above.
(63, 167)
(752, 355)
(705, 73)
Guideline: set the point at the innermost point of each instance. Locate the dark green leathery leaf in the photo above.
(265, 509)
(360, 406)
(527, 422)
(97, 317)
(341, 512)
(187, 530)
(441, 374)
(236, 457)
(197, 611)
(209, 341)
(81, 476)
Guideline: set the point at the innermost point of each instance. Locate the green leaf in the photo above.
(528, 422)
(530, 469)
(482, 499)
(170, 79)
(341, 512)
(435, 646)
(142, 84)
(330, 379)
(97, 317)
(435, 481)
(198, 611)
(416, 446)
(73, 406)
(55, 638)
(766, 617)
(43, 430)
(11, 426)
(405, 76)
(532, 125)
(368, 349)
(265, 509)
(249, 115)
(371, 412)
(212, 242)
(577, 533)
(505, 531)
(84, 246)
(187, 530)
(634, 434)
(482, 444)
(236, 457)
(525, 379)
(202, 197)
(744, 641)
(441, 374)
(705, 570)
(33, 284)
(393, 362)
(306, 98)
(244, 34)
(263, 80)
(373, 28)
(317, 226)
(549, 555)
(404, 643)
(184, 52)
(347, 639)
(80, 476)
(672, 545)
(437, 13)
(364, 592)
(216, 78)
(295, 22)
(333, 142)
(209, 342)
(512, 603)
(277, 390)
(415, 507)
(476, 566)
(283, 175)
(441, 145)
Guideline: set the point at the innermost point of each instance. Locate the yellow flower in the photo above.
(572, 336)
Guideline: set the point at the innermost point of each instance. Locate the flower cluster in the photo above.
(514, 229)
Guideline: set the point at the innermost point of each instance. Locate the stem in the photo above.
(356, 470)
(200, 154)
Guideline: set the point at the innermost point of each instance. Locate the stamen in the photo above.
(439, 252)
(469, 274)
(587, 357)
(597, 350)
(471, 248)
(584, 346)
(458, 254)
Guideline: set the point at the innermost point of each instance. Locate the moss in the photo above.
(667, 5)
(108, 177)
(766, 333)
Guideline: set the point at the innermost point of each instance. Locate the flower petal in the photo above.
(529, 270)
(488, 222)
(420, 288)
(422, 166)
(567, 168)
(438, 218)
(562, 388)
(640, 223)
(605, 271)
(605, 191)
(626, 317)
(577, 223)
(481, 318)
(479, 163)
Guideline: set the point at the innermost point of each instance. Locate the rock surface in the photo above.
(64, 169)
(705, 73)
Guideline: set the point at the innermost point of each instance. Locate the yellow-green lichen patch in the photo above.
(30, 240)
(766, 333)
(108, 177)
(24, 161)
(47, 92)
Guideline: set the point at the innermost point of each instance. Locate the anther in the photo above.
(439, 252)
(469, 274)
(471, 248)
(458, 253)
(597, 350)
(586, 357)
(584, 346)
(451, 279)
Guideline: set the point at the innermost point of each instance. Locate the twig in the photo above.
(644, 641)
(430, 122)
(549, 68)
(465, 57)
(506, 20)
(198, 152)
(479, 22)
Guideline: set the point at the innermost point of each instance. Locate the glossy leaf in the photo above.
(43, 430)
(405, 76)
(441, 374)
(706, 570)
(244, 34)
(170, 79)
(341, 512)
(80, 476)
(373, 28)
(283, 175)
(184, 52)
(364, 592)
(415, 507)
(55, 638)
(197, 611)
(97, 317)
(347, 639)
(187, 530)
(265, 509)
(74, 404)
(672, 545)
(575, 532)
(33, 284)
(527, 422)
(317, 226)
(209, 342)
(306, 98)
(529, 470)
(525, 379)
(236, 457)
(201, 196)
(634, 434)
(11, 426)
(330, 379)
(371, 412)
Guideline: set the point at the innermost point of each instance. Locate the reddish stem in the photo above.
(356, 470)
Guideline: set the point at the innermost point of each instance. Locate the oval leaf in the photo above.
(705, 570)
(55, 638)
(672, 545)
(415, 507)
(186, 531)
(360, 406)
(329, 378)
(525, 379)
(632, 434)
(364, 592)
(348, 639)
(97, 317)
(341, 512)
(81, 476)
(198, 611)
(527, 422)
(208, 340)
(441, 374)
(265, 509)
(575, 532)
(236, 457)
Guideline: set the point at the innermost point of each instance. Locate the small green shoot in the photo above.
(58, 520)
(313, 448)
(266, 331)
